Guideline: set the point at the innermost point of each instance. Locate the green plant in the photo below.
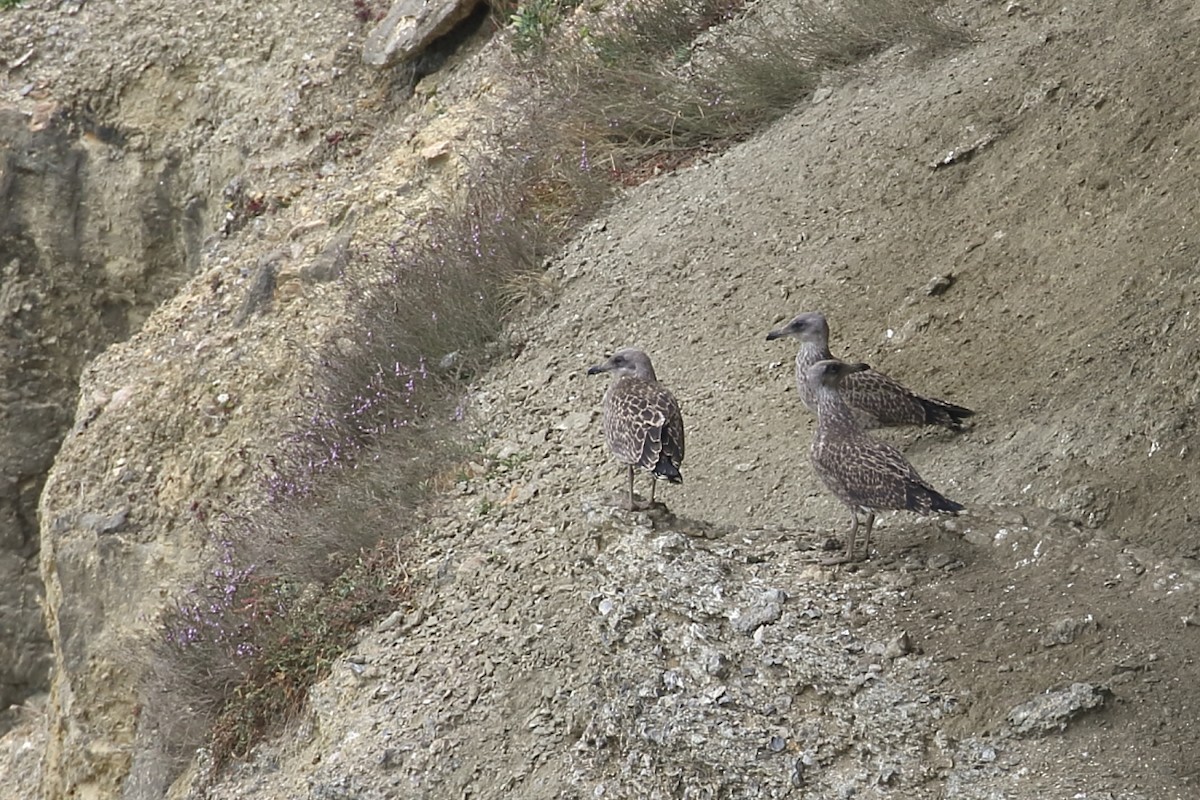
(532, 22)
(510, 462)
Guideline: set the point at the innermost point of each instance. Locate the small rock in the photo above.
(716, 664)
(938, 561)
(575, 421)
(105, 523)
(520, 493)
(938, 284)
(774, 596)
(391, 621)
(435, 151)
(330, 262)
(1067, 630)
(716, 694)
(1053, 710)
(978, 537)
(899, 645)
(753, 619)
(409, 27)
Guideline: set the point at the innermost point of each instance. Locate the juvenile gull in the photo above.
(642, 423)
(864, 473)
(876, 400)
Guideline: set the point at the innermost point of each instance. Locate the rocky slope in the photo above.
(1041, 644)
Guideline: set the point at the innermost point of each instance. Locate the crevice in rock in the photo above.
(439, 51)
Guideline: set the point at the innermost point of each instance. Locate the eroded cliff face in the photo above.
(124, 508)
(92, 238)
(201, 162)
(121, 133)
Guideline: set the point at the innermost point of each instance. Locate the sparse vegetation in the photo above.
(242, 650)
(642, 85)
(630, 94)
(533, 21)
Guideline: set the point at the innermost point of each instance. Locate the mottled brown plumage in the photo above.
(642, 423)
(864, 473)
(876, 400)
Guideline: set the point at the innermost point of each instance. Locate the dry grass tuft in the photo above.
(679, 75)
(238, 654)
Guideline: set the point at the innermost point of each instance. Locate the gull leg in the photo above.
(848, 553)
(631, 505)
(653, 486)
(853, 535)
(870, 523)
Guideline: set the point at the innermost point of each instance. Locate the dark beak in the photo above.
(596, 370)
(779, 334)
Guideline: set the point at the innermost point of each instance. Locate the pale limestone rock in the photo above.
(410, 27)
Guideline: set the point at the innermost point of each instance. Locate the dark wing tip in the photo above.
(944, 504)
(922, 498)
(668, 470)
(939, 412)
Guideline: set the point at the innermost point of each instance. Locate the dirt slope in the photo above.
(1050, 170)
